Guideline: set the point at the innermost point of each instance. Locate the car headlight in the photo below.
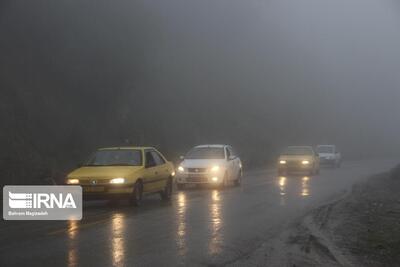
(72, 181)
(214, 179)
(181, 169)
(215, 168)
(117, 181)
(282, 162)
(305, 162)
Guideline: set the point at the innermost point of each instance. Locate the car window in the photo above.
(228, 152)
(325, 149)
(233, 152)
(157, 158)
(150, 161)
(298, 150)
(206, 153)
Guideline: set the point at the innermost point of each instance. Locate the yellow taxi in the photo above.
(298, 159)
(124, 172)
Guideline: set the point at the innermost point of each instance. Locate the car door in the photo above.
(235, 162)
(230, 163)
(151, 174)
(316, 159)
(336, 154)
(162, 170)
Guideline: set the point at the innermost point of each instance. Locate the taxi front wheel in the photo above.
(137, 194)
(238, 180)
(167, 192)
(225, 182)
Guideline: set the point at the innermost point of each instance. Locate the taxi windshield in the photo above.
(297, 151)
(118, 157)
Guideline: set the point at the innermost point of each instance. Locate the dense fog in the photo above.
(257, 74)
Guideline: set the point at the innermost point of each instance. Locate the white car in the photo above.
(217, 165)
(329, 155)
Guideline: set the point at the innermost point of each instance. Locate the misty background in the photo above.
(257, 74)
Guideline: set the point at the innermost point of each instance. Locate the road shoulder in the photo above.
(360, 229)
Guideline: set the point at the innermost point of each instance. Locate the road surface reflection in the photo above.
(73, 228)
(216, 223)
(282, 190)
(117, 239)
(292, 186)
(181, 218)
(305, 189)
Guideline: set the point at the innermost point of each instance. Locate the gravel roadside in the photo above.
(360, 229)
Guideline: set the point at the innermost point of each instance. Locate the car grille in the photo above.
(94, 181)
(293, 164)
(196, 170)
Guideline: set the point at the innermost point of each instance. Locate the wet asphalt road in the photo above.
(199, 226)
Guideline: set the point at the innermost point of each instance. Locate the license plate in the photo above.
(93, 189)
(197, 179)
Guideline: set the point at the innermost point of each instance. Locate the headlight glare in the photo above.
(305, 162)
(214, 179)
(72, 181)
(282, 162)
(181, 169)
(117, 181)
(215, 168)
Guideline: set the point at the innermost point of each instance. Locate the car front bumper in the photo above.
(190, 178)
(327, 161)
(106, 191)
(295, 167)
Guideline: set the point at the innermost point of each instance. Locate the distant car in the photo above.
(328, 154)
(210, 164)
(298, 158)
(124, 173)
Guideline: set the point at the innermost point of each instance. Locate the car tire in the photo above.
(180, 186)
(312, 172)
(167, 192)
(238, 180)
(137, 194)
(224, 183)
